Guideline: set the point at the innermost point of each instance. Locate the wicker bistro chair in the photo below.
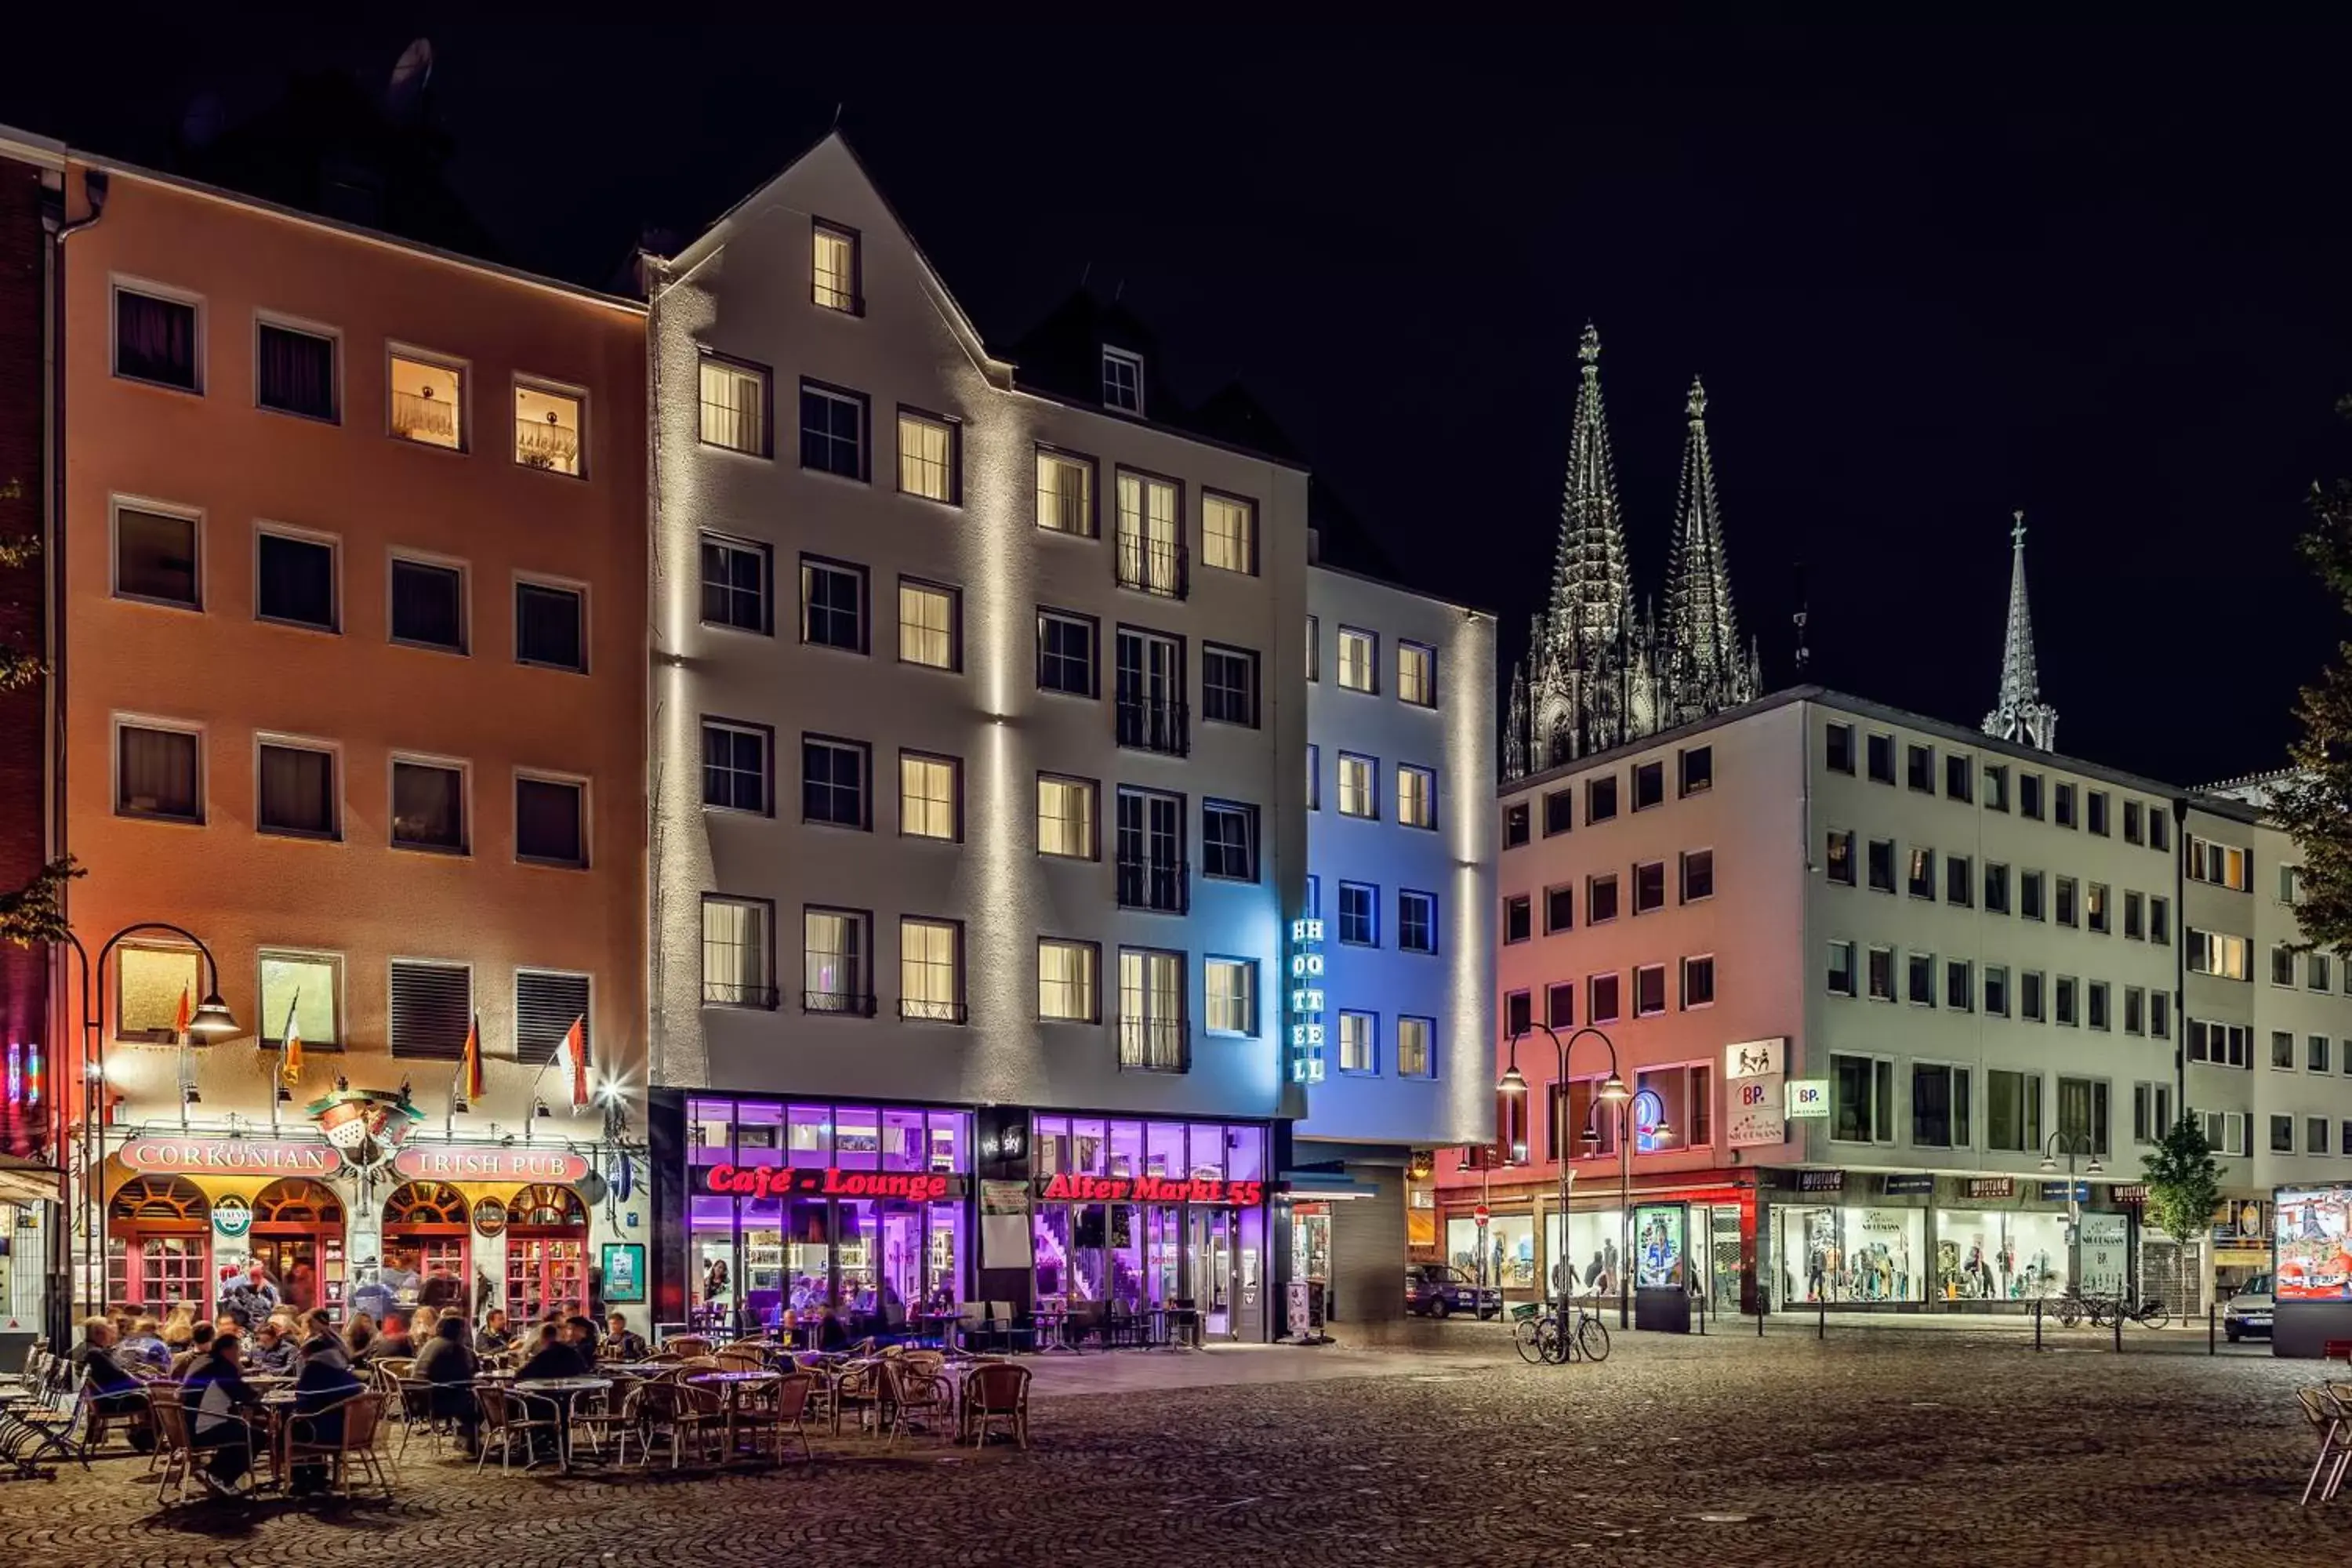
(913, 1392)
(688, 1344)
(677, 1416)
(174, 1458)
(507, 1417)
(737, 1359)
(2332, 1423)
(995, 1397)
(359, 1446)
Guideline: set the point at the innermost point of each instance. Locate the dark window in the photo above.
(1840, 748)
(1959, 985)
(546, 1006)
(428, 806)
(2159, 830)
(428, 604)
(833, 782)
(2132, 833)
(1649, 990)
(2029, 997)
(1698, 874)
(1882, 759)
(1649, 887)
(2029, 796)
(1996, 887)
(1921, 970)
(1228, 685)
(1518, 1015)
(1698, 982)
(1228, 841)
(1519, 917)
(1960, 881)
(833, 431)
(2029, 895)
(1649, 784)
(1559, 1004)
(1601, 799)
(549, 626)
(1697, 765)
(1882, 865)
(155, 340)
(1417, 923)
(155, 557)
(1515, 825)
(735, 766)
(1959, 775)
(735, 584)
(1919, 763)
(1996, 787)
(295, 373)
(1151, 852)
(296, 792)
(2096, 997)
(833, 605)
(157, 775)
(1560, 810)
(1996, 992)
(2095, 802)
(432, 1009)
(2064, 816)
(1599, 899)
(1358, 914)
(551, 822)
(1151, 713)
(1603, 1008)
(294, 581)
(1066, 653)
(1559, 910)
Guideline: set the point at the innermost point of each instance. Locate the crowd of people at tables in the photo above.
(216, 1365)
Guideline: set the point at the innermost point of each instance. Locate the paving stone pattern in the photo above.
(1873, 1448)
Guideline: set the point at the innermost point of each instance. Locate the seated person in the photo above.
(551, 1356)
(451, 1368)
(831, 1335)
(580, 1334)
(392, 1342)
(145, 1344)
(495, 1335)
(620, 1342)
(273, 1351)
(200, 1344)
(325, 1381)
(114, 1392)
(217, 1400)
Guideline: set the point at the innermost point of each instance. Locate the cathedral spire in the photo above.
(2021, 714)
(1592, 591)
(1708, 670)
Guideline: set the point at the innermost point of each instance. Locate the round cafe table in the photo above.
(562, 1392)
(731, 1385)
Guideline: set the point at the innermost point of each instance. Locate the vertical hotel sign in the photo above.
(1306, 1000)
(1755, 1069)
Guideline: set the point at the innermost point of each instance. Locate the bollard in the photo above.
(1821, 1313)
(2211, 1348)
(1702, 1317)
(2037, 1322)
(1760, 1309)
(2119, 1325)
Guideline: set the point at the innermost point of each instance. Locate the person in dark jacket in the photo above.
(551, 1356)
(115, 1394)
(325, 1379)
(394, 1343)
(450, 1367)
(217, 1400)
(273, 1351)
(830, 1334)
(620, 1343)
(199, 1345)
(495, 1335)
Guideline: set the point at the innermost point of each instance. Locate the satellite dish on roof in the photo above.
(403, 97)
(203, 121)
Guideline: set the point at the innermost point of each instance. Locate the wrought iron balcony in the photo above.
(738, 993)
(1158, 566)
(1163, 726)
(919, 1010)
(846, 1002)
(1165, 886)
(1155, 1045)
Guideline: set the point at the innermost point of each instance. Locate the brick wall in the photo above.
(24, 750)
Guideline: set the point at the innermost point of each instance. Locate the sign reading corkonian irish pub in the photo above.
(1755, 1070)
(1306, 1000)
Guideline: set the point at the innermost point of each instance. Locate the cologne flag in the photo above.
(469, 1062)
(573, 1054)
(290, 1067)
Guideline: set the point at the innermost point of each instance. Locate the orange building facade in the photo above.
(352, 586)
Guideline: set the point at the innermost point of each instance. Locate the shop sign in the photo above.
(488, 1163)
(1306, 1000)
(230, 1156)
(2058, 1193)
(1992, 1187)
(2131, 1195)
(1820, 1181)
(829, 1182)
(1150, 1190)
(1648, 1113)
(232, 1215)
(1916, 1185)
(1759, 1112)
(2242, 1222)
(1809, 1099)
(489, 1217)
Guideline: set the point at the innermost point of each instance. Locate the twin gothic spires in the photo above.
(2020, 714)
(1596, 675)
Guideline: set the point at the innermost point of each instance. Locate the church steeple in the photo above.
(2021, 714)
(1708, 670)
(1592, 591)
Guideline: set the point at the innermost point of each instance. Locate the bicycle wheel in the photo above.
(1557, 1345)
(2069, 1312)
(1528, 1334)
(1593, 1336)
(2156, 1317)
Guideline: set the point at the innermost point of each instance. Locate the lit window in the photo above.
(306, 987)
(927, 796)
(1151, 1029)
(735, 407)
(833, 269)
(1416, 1055)
(927, 625)
(1358, 1049)
(1151, 536)
(1065, 493)
(832, 962)
(1066, 981)
(1066, 817)
(428, 402)
(547, 429)
(1122, 381)
(738, 963)
(1359, 782)
(1229, 533)
(151, 983)
(1232, 984)
(929, 985)
(1417, 674)
(1359, 654)
(927, 457)
(1416, 796)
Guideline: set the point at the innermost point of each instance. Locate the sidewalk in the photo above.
(1131, 1372)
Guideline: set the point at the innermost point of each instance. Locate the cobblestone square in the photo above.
(1869, 1447)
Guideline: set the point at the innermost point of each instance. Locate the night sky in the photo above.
(1930, 276)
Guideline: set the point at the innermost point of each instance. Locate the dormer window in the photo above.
(1123, 381)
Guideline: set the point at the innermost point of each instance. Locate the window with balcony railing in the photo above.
(547, 429)
(1150, 844)
(428, 402)
(1152, 555)
(1152, 1032)
(1151, 715)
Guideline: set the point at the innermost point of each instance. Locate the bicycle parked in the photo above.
(1543, 1339)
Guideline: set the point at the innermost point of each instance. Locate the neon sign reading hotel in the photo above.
(1307, 1001)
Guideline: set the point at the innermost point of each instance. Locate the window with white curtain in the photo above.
(1066, 981)
(930, 985)
(1232, 989)
(833, 956)
(738, 970)
(735, 407)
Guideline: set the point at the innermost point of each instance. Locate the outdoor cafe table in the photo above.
(731, 1385)
(936, 1325)
(562, 1392)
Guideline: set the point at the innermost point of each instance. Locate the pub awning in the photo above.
(23, 1184)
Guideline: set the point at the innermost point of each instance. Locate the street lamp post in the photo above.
(2073, 1143)
(1612, 1091)
(210, 1021)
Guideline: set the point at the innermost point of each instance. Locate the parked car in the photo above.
(1441, 1289)
(2249, 1312)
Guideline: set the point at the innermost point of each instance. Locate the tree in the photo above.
(2315, 803)
(2184, 1185)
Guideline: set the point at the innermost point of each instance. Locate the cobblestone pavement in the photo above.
(1873, 1448)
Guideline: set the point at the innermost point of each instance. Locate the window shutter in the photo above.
(431, 1007)
(545, 1005)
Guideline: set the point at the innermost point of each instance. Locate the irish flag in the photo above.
(470, 1063)
(291, 1070)
(571, 1056)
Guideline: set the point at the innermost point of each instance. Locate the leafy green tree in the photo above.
(2315, 803)
(2184, 1184)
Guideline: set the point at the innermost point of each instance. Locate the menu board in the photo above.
(2314, 1236)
